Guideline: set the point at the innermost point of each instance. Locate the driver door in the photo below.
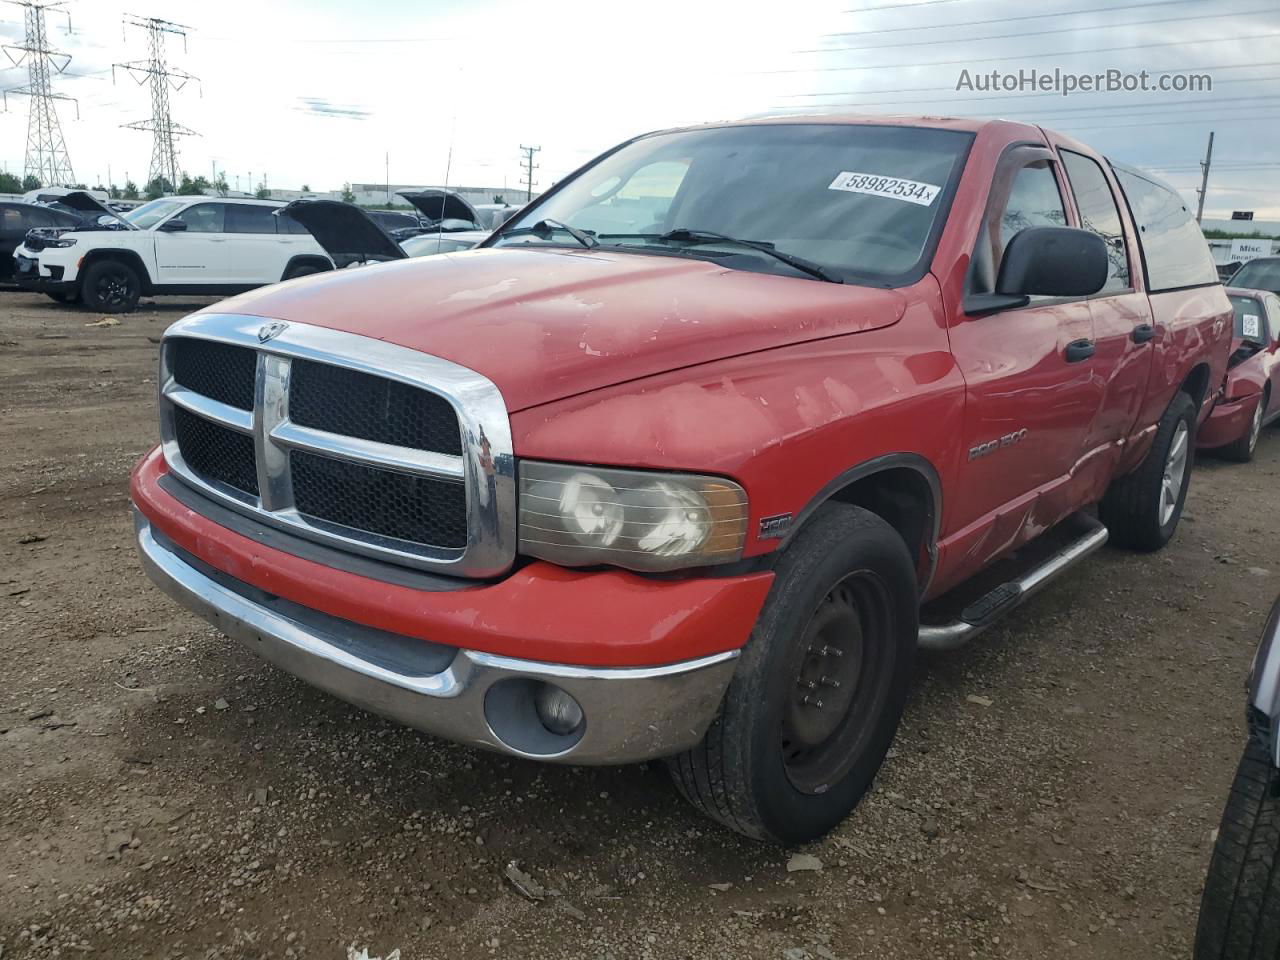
(192, 247)
(1029, 391)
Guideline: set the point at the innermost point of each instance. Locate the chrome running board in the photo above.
(987, 609)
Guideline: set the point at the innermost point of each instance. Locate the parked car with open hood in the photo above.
(18, 218)
(671, 464)
(1251, 395)
(352, 234)
(173, 245)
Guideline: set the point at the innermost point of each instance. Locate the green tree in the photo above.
(158, 187)
(130, 190)
(497, 198)
(347, 195)
(78, 186)
(306, 188)
(262, 192)
(29, 182)
(10, 183)
(221, 185)
(113, 192)
(196, 187)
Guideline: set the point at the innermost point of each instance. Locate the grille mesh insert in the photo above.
(219, 371)
(216, 452)
(417, 509)
(357, 404)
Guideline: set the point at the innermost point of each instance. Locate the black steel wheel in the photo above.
(820, 686)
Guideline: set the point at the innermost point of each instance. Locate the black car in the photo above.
(16, 218)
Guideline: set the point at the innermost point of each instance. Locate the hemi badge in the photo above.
(775, 527)
(269, 331)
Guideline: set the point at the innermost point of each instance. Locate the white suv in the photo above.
(182, 245)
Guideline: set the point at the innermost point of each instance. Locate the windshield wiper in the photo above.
(543, 229)
(695, 237)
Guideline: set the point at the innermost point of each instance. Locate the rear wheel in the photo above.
(1142, 510)
(1243, 448)
(1240, 907)
(110, 286)
(305, 270)
(820, 688)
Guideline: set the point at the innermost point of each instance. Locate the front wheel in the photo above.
(820, 687)
(1240, 907)
(1243, 448)
(1142, 510)
(110, 286)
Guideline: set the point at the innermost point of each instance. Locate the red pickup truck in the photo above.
(669, 465)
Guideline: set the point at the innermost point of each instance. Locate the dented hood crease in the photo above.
(549, 324)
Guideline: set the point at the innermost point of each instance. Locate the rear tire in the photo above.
(820, 687)
(110, 286)
(1240, 907)
(301, 271)
(1142, 509)
(1242, 449)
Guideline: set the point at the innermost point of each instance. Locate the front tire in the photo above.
(110, 286)
(1242, 449)
(1142, 510)
(820, 687)
(1240, 907)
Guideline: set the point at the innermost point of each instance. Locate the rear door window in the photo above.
(250, 218)
(1099, 214)
(1173, 247)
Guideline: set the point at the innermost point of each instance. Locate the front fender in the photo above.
(1264, 686)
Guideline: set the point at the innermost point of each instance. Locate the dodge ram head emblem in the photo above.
(269, 331)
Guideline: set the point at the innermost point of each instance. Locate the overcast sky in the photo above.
(318, 92)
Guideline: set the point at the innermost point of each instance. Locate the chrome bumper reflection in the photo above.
(480, 699)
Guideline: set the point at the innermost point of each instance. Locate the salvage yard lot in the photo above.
(1053, 791)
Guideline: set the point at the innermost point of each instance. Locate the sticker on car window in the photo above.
(1249, 322)
(895, 188)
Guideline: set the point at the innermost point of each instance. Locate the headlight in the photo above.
(59, 242)
(577, 516)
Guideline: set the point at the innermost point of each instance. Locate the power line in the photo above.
(46, 158)
(1044, 33)
(155, 70)
(979, 23)
(1023, 56)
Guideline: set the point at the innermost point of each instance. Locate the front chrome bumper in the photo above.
(484, 700)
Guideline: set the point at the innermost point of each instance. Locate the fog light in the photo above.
(558, 711)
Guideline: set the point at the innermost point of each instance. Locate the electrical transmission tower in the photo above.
(46, 158)
(529, 167)
(156, 71)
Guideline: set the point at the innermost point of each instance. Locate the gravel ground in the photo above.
(1053, 792)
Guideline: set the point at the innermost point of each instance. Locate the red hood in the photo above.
(548, 324)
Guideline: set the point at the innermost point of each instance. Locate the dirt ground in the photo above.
(164, 794)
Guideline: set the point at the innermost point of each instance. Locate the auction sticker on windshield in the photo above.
(895, 188)
(1252, 327)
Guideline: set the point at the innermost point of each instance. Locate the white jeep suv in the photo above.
(174, 245)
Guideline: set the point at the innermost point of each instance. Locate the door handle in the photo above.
(1080, 350)
(1143, 332)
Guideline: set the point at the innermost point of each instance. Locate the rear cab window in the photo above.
(1250, 319)
(1174, 250)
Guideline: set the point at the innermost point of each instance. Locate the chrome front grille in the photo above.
(344, 439)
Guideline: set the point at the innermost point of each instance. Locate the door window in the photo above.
(250, 218)
(205, 218)
(1033, 201)
(10, 219)
(1099, 214)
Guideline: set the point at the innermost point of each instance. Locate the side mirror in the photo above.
(173, 226)
(1053, 262)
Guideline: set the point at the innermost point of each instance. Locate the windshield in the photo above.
(1258, 275)
(151, 213)
(861, 202)
(1249, 323)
